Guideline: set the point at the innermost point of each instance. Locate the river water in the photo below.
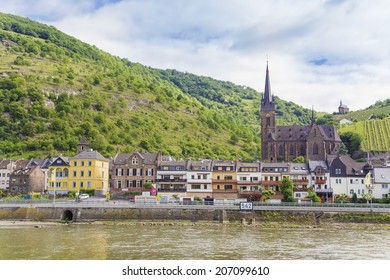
(178, 242)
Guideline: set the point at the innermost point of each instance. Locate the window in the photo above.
(89, 185)
(351, 192)
(74, 173)
(82, 163)
(315, 148)
(89, 163)
(338, 171)
(89, 173)
(204, 176)
(385, 186)
(228, 187)
(75, 163)
(82, 173)
(119, 171)
(280, 150)
(81, 184)
(134, 160)
(291, 150)
(195, 187)
(119, 184)
(74, 185)
(139, 173)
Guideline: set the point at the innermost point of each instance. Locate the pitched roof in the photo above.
(352, 167)
(299, 168)
(301, 132)
(148, 158)
(89, 155)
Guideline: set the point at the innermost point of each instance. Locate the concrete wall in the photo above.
(188, 215)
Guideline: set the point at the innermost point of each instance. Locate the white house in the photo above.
(381, 182)
(199, 178)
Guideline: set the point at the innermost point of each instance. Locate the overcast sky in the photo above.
(318, 51)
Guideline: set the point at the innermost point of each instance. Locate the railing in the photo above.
(330, 190)
(171, 180)
(320, 181)
(270, 183)
(249, 182)
(301, 181)
(102, 203)
(172, 190)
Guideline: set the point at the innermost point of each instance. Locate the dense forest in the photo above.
(55, 89)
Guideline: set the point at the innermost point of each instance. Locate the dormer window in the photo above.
(134, 160)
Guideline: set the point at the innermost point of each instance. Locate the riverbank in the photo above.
(264, 225)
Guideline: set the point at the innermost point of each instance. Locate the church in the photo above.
(284, 143)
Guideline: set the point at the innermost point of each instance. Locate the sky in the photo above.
(318, 51)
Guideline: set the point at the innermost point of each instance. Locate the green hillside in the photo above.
(374, 134)
(55, 89)
(380, 109)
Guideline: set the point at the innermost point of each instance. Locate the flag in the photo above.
(367, 180)
(154, 190)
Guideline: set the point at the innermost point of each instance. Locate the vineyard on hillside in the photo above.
(375, 134)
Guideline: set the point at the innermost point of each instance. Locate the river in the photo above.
(186, 242)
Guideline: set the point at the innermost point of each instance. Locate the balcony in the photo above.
(320, 181)
(270, 183)
(301, 181)
(300, 189)
(318, 190)
(225, 191)
(171, 180)
(172, 190)
(249, 182)
(223, 181)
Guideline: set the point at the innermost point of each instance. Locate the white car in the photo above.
(84, 196)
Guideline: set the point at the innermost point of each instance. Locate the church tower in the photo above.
(267, 118)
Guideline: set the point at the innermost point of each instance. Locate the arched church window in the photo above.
(315, 149)
(291, 149)
(280, 150)
(302, 153)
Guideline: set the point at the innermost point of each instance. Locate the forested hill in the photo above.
(55, 89)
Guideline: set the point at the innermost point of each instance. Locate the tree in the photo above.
(343, 149)
(299, 159)
(313, 196)
(286, 187)
(267, 194)
(148, 185)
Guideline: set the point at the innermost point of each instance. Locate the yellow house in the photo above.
(88, 170)
(224, 180)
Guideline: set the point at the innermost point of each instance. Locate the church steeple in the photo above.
(267, 102)
(268, 123)
(267, 88)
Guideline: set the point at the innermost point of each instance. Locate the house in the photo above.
(224, 179)
(381, 182)
(248, 179)
(299, 174)
(199, 178)
(88, 170)
(59, 176)
(320, 179)
(347, 176)
(26, 178)
(172, 177)
(6, 168)
(272, 175)
(133, 170)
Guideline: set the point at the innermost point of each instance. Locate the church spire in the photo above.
(267, 89)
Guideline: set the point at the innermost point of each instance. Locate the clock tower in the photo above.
(267, 120)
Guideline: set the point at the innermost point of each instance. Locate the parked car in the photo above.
(83, 196)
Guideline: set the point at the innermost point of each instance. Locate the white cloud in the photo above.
(319, 51)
